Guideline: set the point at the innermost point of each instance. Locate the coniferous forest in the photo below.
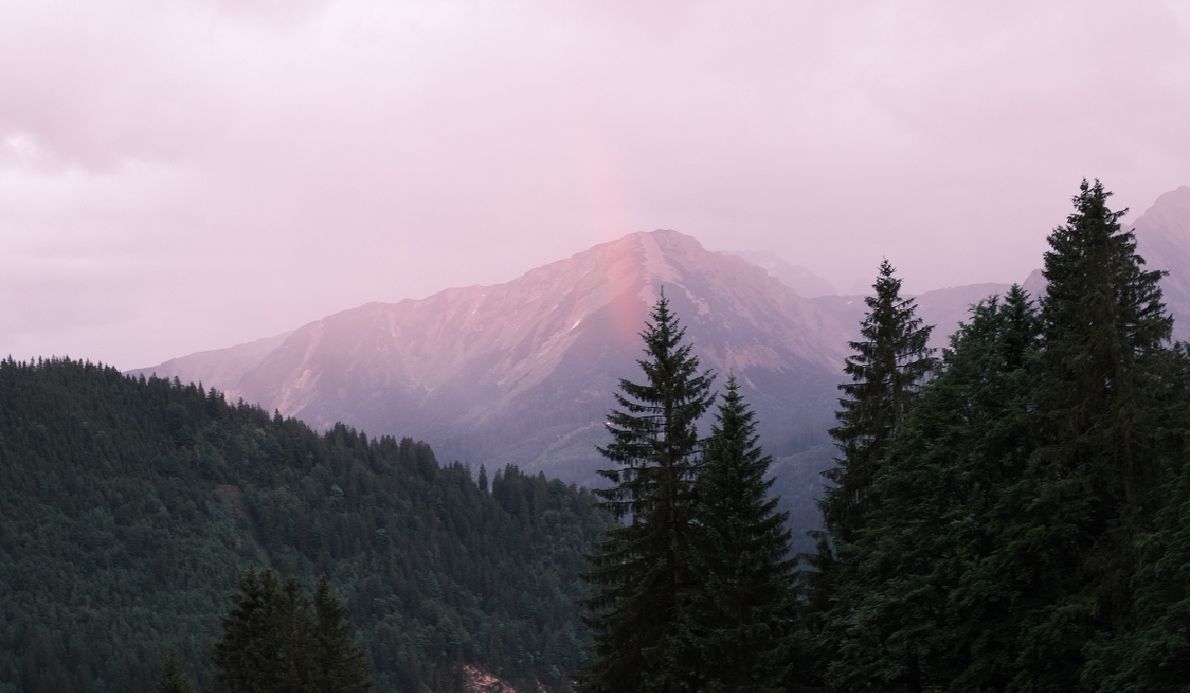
(130, 509)
(1007, 515)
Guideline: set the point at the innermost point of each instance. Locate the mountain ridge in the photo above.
(524, 371)
(465, 366)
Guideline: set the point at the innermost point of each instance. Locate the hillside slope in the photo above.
(130, 506)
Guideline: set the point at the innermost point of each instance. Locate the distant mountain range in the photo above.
(523, 372)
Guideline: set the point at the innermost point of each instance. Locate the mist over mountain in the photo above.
(805, 282)
(524, 371)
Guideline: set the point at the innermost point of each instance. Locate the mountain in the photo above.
(524, 372)
(130, 507)
(222, 365)
(796, 277)
(1163, 240)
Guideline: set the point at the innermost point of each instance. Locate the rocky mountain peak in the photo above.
(1169, 215)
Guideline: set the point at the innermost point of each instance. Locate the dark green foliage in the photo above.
(337, 664)
(642, 568)
(173, 677)
(266, 641)
(740, 612)
(1154, 654)
(1024, 530)
(920, 597)
(276, 639)
(886, 368)
(1092, 481)
(129, 507)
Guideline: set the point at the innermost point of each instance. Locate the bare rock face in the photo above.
(476, 680)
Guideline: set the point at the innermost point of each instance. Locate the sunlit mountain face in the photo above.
(524, 372)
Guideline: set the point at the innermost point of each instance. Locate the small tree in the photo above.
(642, 568)
(337, 663)
(276, 641)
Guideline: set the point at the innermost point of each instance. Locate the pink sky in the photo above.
(178, 176)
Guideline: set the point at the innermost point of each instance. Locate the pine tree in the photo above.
(742, 610)
(277, 640)
(922, 600)
(264, 645)
(888, 365)
(1093, 483)
(642, 568)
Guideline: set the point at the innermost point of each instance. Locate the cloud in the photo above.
(219, 171)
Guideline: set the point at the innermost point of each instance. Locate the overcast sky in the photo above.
(180, 176)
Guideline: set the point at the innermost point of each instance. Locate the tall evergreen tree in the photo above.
(887, 367)
(921, 597)
(889, 364)
(742, 610)
(1092, 484)
(642, 567)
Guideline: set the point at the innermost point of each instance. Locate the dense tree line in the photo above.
(1022, 527)
(1011, 516)
(131, 506)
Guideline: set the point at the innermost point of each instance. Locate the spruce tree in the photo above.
(277, 640)
(889, 364)
(642, 567)
(1093, 483)
(263, 647)
(742, 610)
(922, 601)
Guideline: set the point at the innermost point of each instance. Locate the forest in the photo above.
(1010, 515)
(130, 508)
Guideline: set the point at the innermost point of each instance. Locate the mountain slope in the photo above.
(796, 277)
(1163, 240)
(130, 507)
(524, 371)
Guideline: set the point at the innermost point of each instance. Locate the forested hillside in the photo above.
(130, 506)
